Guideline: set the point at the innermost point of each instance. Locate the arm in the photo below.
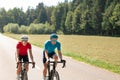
(46, 50)
(60, 54)
(59, 51)
(17, 55)
(46, 54)
(31, 55)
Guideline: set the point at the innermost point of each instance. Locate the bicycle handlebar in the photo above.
(63, 61)
(26, 62)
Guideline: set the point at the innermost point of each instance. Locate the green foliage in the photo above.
(40, 29)
(30, 17)
(42, 15)
(12, 28)
(68, 23)
(77, 20)
(32, 29)
(3, 18)
(23, 29)
(98, 17)
(115, 19)
(107, 24)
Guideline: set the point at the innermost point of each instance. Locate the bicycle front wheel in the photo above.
(54, 75)
(24, 76)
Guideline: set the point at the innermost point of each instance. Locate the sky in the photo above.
(24, 4)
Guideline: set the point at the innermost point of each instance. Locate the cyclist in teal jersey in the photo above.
(49, 52)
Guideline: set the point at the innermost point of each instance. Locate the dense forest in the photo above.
(85, 17)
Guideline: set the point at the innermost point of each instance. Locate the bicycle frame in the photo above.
(23, 71)
(54, 67)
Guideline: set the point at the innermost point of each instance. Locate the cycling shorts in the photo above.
(50, 55)
(23, 58)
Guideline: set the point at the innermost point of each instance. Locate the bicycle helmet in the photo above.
(24, 38)
(53, 36)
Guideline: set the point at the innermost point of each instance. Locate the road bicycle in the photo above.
(23, 74)
(52, 72)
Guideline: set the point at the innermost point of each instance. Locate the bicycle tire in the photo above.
(54, 75)
(24, 76)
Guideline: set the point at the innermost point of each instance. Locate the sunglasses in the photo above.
(25, 40)
(53, 40)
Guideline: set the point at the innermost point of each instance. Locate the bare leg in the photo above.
(45, 69)
(19, 70)
(27, 67)
(55, 57)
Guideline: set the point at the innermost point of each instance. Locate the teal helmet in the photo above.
(53, 36)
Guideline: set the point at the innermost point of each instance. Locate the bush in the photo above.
(40, 28)
(60, 32)
(23, 29)
(31, 29)
(49, 28)
(12, 28)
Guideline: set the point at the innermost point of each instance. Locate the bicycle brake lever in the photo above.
(33, 65)
(64, 63)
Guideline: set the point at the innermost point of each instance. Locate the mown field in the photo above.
(96, 50)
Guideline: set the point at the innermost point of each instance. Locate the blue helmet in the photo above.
(53, 36)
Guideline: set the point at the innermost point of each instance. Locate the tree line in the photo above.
(86, 17)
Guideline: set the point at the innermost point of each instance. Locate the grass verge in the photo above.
(95, 62)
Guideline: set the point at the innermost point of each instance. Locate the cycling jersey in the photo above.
(50, 47)
(23, 49)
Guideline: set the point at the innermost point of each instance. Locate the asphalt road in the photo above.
(74, 70)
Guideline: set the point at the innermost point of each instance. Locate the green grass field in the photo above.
(96, 50)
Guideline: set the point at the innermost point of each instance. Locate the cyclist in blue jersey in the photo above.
(49, 52)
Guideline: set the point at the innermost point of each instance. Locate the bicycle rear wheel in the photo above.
(54, 75)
